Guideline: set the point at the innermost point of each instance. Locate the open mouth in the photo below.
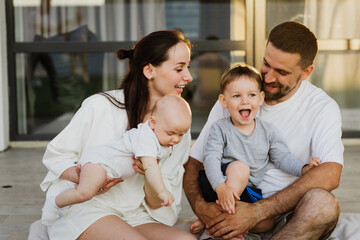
(245, 113)
(180, 88)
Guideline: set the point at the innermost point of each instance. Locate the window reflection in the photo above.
(47, 100)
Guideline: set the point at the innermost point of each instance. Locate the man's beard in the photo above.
(282, 91)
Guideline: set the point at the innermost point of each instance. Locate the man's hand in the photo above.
(232, 226)
(226, 196)
(208, 211)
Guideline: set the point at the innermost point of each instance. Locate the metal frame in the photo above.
(254, 46)
(76, 47)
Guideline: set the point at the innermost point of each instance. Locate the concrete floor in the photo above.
(21, 199)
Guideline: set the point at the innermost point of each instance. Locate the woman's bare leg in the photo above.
(158, 231)
(111, 227)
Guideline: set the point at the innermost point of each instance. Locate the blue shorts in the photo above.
(250, 194)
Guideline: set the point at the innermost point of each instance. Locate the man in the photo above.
(310, 123)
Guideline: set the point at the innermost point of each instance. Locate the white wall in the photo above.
(4, 100)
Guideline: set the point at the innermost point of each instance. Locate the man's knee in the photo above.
(321, 207)
(321, 201)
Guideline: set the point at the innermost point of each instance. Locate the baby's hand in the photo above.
(315, 161)
(226, 196)
(166, 197)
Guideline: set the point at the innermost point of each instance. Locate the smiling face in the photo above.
(282, 74)
(172, 75)
(242, 97)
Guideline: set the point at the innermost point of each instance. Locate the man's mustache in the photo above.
(274, 85)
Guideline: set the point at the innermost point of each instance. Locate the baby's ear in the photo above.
(152, 122)
(222, 100)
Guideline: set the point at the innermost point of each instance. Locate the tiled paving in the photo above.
(21, 199)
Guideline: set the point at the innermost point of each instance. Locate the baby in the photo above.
(170, 119)
(239, 148)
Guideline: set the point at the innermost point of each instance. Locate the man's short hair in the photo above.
(294, 37)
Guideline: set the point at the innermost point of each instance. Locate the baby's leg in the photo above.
(50, 211)
(92, 178)
(238, 174)
(197, 226)
(158, 231)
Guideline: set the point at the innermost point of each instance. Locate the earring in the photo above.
(152, 78)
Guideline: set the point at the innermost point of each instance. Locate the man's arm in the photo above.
(325, 176)
(204, 211)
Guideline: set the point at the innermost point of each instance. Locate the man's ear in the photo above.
(306, 73)
(262, 97)
(222, 100)
(148, 71)
(152, 122)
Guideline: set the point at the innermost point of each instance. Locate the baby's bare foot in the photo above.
(197, 227)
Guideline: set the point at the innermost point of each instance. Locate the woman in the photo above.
(158, 65)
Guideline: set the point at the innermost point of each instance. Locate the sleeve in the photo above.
(172, 170)
(145, 143)
(213, 154)
(216, 113)
(280, 154)
(91, 125)
(326, 141)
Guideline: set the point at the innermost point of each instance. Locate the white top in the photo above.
(97, 122)
(140, 141)
(309, 122)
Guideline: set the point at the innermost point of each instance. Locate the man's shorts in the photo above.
(250, 194)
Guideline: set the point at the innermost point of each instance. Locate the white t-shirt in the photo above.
(117, 156)
(309, 122)
(99, 122)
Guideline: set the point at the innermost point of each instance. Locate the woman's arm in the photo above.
(93, 124)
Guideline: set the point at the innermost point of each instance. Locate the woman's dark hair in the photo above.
(151, 49)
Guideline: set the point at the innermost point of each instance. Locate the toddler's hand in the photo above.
(226, 197)
(315, 161)
(166, 197)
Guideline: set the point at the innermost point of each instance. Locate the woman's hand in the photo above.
(109, 183)
(137, 165)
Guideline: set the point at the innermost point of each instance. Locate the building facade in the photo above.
(55, 53)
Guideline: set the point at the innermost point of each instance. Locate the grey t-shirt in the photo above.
(226, 144)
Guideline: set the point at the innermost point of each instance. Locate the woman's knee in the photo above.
(185, 236)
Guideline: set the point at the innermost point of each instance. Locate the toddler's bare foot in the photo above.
(197, 227)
